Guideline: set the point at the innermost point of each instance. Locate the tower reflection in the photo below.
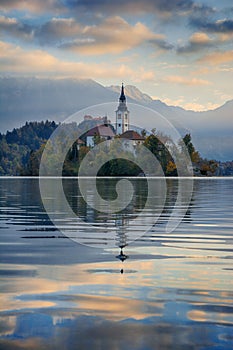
(121, 224)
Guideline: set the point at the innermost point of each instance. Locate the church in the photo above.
(122, 114)
(121, 128)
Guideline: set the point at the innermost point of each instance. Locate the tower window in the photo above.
(125, 124)
(119, 116)
(119, 125)
(126, 116)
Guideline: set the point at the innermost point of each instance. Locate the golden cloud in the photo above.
(175, 79)
(193, 105)
(120, 307)
(217, 58)
(34, 6)
(8, 21)
(114, 35)
(200, 38)
(197, 315)
(14, 59)
(198, 107)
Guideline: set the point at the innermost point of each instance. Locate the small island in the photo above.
(22, 148)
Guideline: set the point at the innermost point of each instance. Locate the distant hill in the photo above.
(132, 92)
(211, 130)
(32, 99)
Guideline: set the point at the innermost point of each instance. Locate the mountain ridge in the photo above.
(36, 99)
(132, 92)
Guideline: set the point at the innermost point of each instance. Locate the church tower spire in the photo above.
(122, 96)
(122, 114)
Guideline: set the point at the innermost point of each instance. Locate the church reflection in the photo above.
(116, 229)
(121, 223)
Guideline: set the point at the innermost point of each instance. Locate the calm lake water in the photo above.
(171, 291)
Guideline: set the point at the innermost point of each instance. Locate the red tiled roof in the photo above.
(101, 130)
(132, 135)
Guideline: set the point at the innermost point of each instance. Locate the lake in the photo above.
(86, 283)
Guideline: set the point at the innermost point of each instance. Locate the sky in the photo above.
(178, 51)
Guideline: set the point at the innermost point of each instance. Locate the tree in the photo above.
(153, 131)
(194, 155)
(143, 133)
(188, 143)
(16, 146)
(97, 139)
(171, 168)
(151, 142)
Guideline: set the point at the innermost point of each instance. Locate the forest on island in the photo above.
(22, 148)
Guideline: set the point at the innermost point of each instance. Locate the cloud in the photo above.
(33, 6)
(112, 36)
(7, 325)
(223, 96)
(143, 75)
(219, 26)
(78, 330)
(15, 60)
(12, 27)
(158, 7)
(162, 44)
(98, 7)
(53, 31)
(170, 102)
(58, 29)
(198, 107)
(175, 79)
(215, 58)
(198, 41)
(188, 105)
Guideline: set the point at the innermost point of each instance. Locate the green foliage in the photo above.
(143, 133)
(97, 139)
(194, 155)
(208, 167)
(156, 145)
(21, 151)
(119, 167)
(152, 143)
(18, 148)
(203, 167)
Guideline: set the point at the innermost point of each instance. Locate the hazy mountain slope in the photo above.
(212, 131)
(133, 92)
(30, 99)
(23, 99)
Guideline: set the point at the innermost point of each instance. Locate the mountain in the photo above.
(211, 130)
(34, 99)
(133, 92)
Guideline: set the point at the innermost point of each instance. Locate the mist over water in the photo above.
(161, 291)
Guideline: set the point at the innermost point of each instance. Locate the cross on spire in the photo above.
(122, 96)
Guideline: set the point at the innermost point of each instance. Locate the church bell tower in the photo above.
(122, 114)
